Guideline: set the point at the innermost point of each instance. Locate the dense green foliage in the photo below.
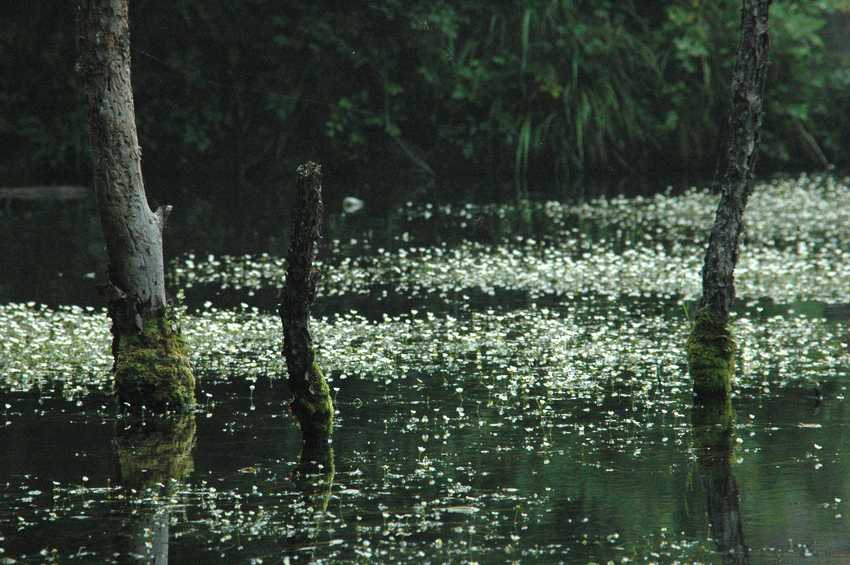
(232, 95)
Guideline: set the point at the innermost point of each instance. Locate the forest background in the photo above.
(231, 96)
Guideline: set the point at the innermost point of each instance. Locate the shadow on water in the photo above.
(714, 435)
(156, 453)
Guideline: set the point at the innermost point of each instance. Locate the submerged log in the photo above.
(151, 365)
(711, 345)
(311, 399)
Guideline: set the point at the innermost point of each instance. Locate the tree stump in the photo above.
(311, 399)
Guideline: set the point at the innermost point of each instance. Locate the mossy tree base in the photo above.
(312, 407)
(711, 357)
(152, 368)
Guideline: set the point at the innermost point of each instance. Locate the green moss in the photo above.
(152, 368)
(711, 357)
(312, 405)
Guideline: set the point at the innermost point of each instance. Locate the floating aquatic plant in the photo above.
(795, 248)
(528, 401)
(581, 346)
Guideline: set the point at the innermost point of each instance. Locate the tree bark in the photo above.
(711, 349)
(151, 364)
(311, 400)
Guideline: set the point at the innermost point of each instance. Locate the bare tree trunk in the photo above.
(151, 365)
(311, 402)
(711, 347)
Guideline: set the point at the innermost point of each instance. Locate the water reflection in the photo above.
(152, 454)
(714, 434)
(314, 474)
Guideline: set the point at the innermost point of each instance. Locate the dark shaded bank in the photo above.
(243, 93)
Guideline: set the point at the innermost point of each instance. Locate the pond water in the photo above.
(510, 382)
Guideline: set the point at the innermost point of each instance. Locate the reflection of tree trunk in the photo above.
(150, 536)
(151, 365)
(311, 398)
(711, 348)
(150, 454)
(155, 451)
(313, 476)
(713, 426)
(314, 473)
(161, 538)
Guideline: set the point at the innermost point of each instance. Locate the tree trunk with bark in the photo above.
(711, 346)
(151, 363)
(311, 400)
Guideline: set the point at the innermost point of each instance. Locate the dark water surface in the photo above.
(416, 481)
(510, 382)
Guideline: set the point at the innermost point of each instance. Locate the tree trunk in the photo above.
(711, 347)
(311, 403)
(151, 365)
